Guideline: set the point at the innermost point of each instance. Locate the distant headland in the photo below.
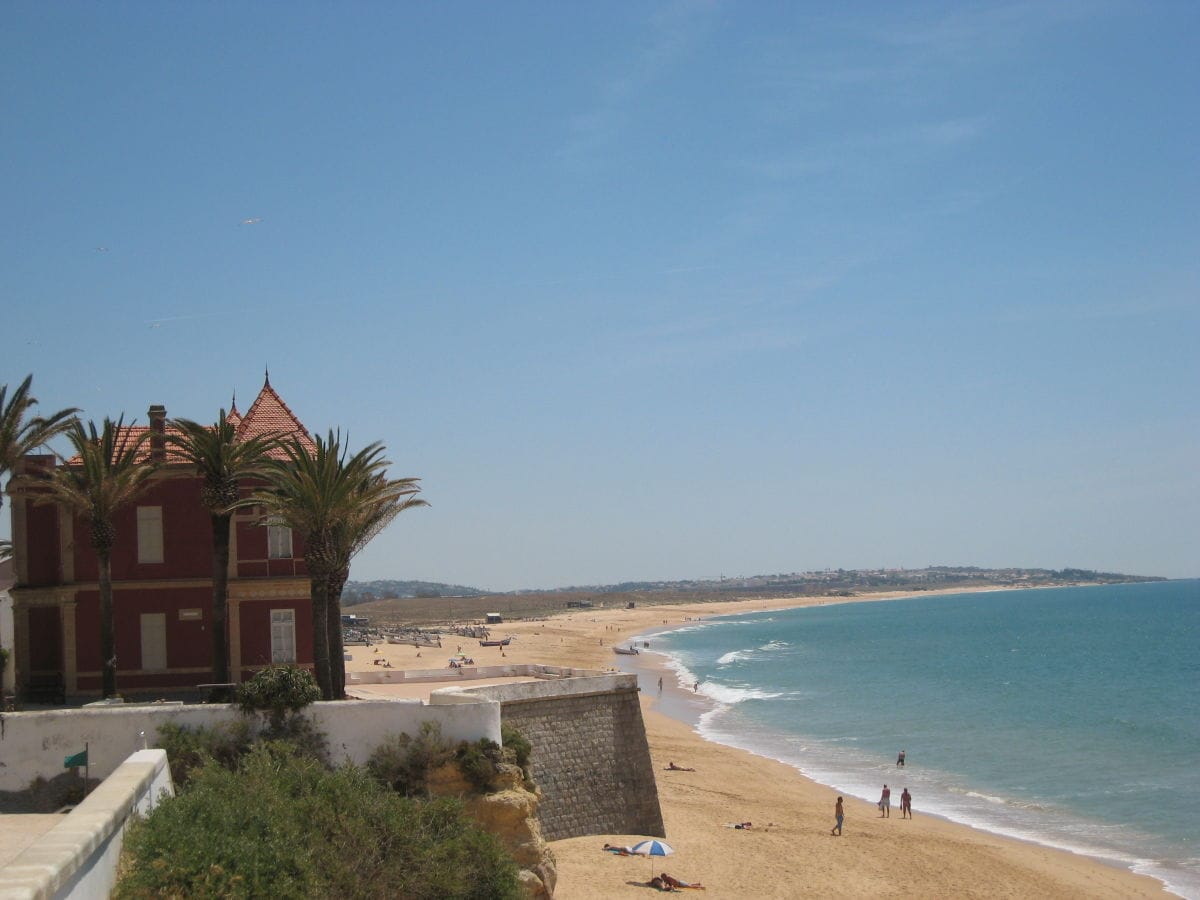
(825, 582)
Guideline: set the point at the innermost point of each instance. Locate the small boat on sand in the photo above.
(626, 651)
(503, 643)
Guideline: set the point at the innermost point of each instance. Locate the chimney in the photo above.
(158, 433)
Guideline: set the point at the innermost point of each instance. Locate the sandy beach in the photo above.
(789, 851)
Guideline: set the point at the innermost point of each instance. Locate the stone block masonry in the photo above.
(591, 760)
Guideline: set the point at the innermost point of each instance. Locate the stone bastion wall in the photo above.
(590, 755)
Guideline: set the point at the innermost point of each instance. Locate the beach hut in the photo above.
(494, 618)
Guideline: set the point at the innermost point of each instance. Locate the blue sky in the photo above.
(641, 291)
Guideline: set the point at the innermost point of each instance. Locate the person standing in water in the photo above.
(839, 814)
(900, 760)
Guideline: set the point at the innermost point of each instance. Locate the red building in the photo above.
(162, 579)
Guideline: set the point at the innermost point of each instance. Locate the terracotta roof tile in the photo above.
(268, 415)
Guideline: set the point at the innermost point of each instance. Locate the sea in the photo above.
(1069, 717)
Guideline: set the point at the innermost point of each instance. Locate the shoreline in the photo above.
(796, 856)
(674, 701)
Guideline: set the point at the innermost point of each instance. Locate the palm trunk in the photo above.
(220, 599)
(317, 592)
(333, 618)
(108, 650)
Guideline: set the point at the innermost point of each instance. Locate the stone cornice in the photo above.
(269, 589)
(43, 596)
(239, 589)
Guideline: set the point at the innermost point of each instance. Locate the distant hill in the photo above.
(824, 582)
(366, 591)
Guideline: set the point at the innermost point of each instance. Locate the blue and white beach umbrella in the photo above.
(652, 848)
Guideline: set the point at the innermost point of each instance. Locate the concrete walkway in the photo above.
(19, 830)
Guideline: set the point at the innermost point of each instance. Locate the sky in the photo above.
(640, 291)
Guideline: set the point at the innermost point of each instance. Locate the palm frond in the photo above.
(20, 435)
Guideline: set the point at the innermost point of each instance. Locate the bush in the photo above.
(478, 762)
(518, 745)
(276, 691)
(309, 832)
(403, 762)
(189, 748)
(301, 734)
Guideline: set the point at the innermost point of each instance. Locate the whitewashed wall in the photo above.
(77, 859)
(34, 744)
(7, 672)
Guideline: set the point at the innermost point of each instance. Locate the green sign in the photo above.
(75, 759)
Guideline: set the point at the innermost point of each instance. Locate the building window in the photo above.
(279, 542)
(154, 642)
(150, 534)
(283, 635)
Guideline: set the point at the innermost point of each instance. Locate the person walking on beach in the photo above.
(839, 814)
(905, 804)
(900, 760)
(885, 803)
(660, 684)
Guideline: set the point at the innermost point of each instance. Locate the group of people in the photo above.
(885, 803)
(663, 882)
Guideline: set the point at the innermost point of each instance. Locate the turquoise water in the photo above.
(1066, 716)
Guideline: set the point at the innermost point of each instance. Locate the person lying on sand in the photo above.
(746, 826)
(657, 882)
(671, 767)
(620, 851)
(676, 883)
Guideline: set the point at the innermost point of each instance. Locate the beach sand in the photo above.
(789, 851)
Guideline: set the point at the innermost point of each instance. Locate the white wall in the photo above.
(8, 673)
(78, 858)
(34, 744)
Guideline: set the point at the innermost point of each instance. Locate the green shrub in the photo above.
(276, 691)
(301, 734)
(477, 761)
(403, 762)
(309, 832)
(518, 745)
(188, 748)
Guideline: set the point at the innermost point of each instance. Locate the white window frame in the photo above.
(283, 636)
(150, 534)
(279, 541)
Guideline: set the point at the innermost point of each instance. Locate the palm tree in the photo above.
(324, 496)
(223, 462)
(380, 499)
(110, 473)
(19, 436)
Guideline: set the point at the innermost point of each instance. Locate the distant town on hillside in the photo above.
(825, 582)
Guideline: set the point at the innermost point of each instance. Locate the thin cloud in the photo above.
(162, 320)
(966, 31)
(902, 145)
(670, 37)
(1131, 308)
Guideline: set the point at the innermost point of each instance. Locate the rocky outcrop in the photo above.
(509, 810)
